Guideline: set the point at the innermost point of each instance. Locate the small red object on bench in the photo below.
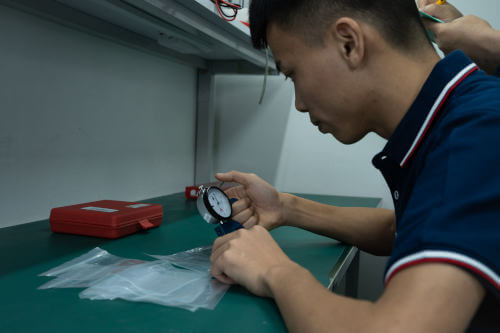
(192, 192)
(106, 218)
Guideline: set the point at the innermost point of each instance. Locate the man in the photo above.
(362, 66)
(471, 34)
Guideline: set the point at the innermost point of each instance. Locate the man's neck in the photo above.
(400, 89)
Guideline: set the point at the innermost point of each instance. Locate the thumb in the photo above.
(434, 27)
(439, 30)
(233, 176)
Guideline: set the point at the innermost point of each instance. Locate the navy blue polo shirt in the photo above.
(442, 165)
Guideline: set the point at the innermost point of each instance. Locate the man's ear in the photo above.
(350, 40)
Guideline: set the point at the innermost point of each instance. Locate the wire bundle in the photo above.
(222, 5)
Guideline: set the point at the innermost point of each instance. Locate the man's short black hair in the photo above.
(397, 21)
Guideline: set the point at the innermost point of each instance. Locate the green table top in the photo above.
(30, 249)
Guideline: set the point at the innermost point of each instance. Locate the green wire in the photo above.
(266, 73)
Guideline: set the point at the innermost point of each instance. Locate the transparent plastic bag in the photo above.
(94, 255)
(212, 294)
(161, 283)
(87, 269)
(197, 259)
(181, 279)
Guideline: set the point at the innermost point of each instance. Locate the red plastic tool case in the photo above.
(106, 218)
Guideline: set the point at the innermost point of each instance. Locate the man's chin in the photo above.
(347, 140)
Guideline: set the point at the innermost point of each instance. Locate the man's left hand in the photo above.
(245, 257)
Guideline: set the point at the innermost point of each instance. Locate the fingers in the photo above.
(219, 275)
(444, 12)
(237, 192)
(218, 259)
(434, 10)
(434, 27)
(253, 220)
(243, 216)
(422, 3)
(234, 176)
(221, 240)
(217, 267)
(240, 206)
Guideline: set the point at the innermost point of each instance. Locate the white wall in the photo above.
(313, 162)
(83, 119)
(248, 136)
(486, 9)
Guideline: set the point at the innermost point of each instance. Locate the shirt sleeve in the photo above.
(453, 214)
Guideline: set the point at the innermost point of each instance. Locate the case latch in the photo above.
(145, 224)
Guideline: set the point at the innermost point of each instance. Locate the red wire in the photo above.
(221, 13)
(232, 5)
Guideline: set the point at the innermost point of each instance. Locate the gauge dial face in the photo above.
(219, 202)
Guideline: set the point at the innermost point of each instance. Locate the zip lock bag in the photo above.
(181, 279)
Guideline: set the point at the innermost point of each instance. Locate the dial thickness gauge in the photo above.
(213, 204)
(215, 208)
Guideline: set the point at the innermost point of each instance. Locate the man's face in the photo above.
(325, 86)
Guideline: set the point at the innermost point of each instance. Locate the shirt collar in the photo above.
(444, 78)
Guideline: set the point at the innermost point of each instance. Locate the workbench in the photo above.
(30, 249)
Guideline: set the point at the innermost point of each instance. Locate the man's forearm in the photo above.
(307, 306)
(477, 39)
(444, 296)
(370, 229)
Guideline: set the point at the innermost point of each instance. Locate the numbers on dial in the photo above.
(219, 202)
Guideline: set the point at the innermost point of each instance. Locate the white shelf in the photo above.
(190, 31)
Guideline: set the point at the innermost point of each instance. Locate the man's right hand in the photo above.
(258, 202)
(471, 34)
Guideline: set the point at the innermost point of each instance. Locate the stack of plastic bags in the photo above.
(182, 279)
